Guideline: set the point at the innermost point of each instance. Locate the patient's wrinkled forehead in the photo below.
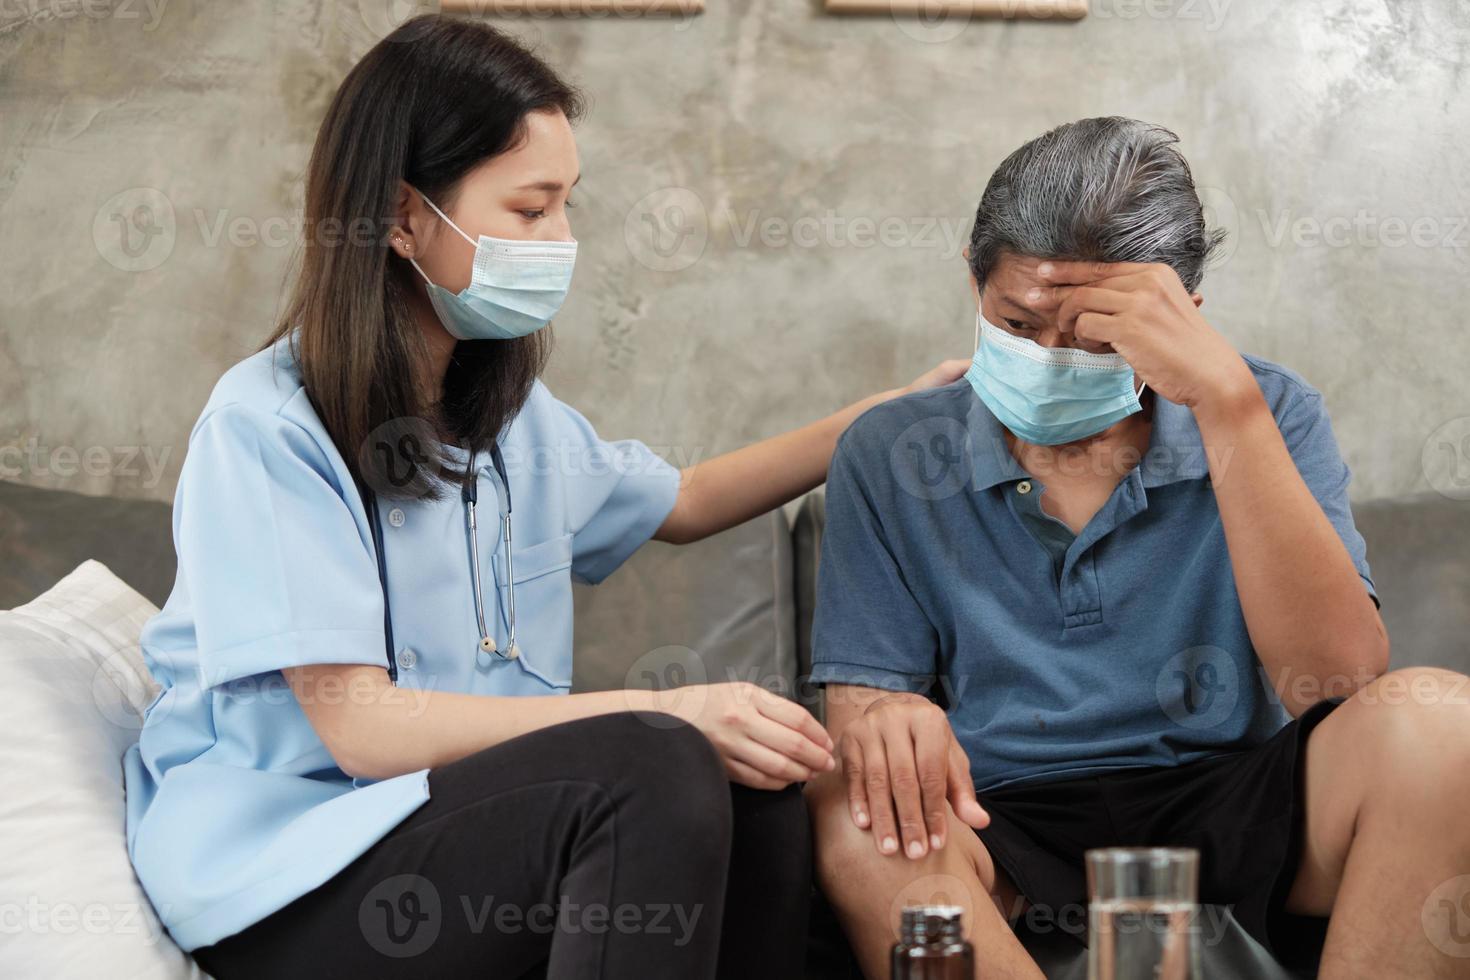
(1010, 279)
(1013, 270)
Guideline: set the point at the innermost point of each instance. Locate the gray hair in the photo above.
(1106, 190)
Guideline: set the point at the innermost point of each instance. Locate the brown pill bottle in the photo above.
(932, 945)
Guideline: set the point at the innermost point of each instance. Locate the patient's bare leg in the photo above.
(868, 889)
(1387, 845)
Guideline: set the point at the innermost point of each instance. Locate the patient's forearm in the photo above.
(1310, 619)
(730, 489)
(376, 729)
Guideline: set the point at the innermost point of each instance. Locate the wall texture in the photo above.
(771, 215)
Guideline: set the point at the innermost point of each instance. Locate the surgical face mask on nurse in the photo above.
(515, 288)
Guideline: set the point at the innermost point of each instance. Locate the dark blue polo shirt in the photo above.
(1055, 654)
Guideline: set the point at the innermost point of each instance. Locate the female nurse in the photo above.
(365, 760)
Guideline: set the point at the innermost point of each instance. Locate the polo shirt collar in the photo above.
(1175, 452)
(991, 462)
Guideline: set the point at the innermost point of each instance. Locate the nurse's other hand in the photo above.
(945, 372)
(765, 741)
(901, 763)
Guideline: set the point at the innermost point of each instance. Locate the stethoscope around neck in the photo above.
(469, 493)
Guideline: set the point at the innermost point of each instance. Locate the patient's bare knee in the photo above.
(846, 854)
(852, 873)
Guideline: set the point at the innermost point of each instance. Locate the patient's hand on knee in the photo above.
(900, 769)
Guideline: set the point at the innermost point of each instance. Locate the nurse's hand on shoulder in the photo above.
(765, 741)
(943, 373)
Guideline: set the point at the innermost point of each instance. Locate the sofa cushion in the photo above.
(716, 610)
(76, 690)
(806, 549)
(46, 533)
(1419, 550)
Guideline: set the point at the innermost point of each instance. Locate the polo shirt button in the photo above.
(1024, 486)
(395, 517)
(407, 658)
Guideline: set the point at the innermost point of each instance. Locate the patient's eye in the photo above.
(1018, 325)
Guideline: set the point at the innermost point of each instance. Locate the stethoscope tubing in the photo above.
(469, 494)
(375, 526)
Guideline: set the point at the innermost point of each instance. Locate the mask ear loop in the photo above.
(417, 268)
(447, 220)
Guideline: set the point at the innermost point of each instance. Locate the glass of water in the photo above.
(1142, 913)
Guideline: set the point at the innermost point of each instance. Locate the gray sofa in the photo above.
(738, 607)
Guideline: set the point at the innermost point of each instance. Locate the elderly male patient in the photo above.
(1110, 582)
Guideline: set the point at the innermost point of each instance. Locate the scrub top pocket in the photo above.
(543, 583)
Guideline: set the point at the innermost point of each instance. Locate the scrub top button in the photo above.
(1024, 486)
(395, 517)
(407, 658)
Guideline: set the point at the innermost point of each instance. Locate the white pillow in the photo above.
(74, 688)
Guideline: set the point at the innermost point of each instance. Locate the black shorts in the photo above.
(1243, 811)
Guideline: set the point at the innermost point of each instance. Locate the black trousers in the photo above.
(609, 847)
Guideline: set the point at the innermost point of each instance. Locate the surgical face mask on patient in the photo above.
(515, 287)
(1049, 395)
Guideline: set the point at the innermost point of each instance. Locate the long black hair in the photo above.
(426, 105)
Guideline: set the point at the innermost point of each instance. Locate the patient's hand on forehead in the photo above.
(1009, 301)
(1139, 310)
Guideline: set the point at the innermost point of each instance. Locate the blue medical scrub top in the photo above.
(1055, 654)
(234, 805)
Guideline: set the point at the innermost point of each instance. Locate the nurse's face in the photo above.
(522, 194)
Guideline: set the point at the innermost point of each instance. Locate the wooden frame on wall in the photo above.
(1008, 9)
(622, 7)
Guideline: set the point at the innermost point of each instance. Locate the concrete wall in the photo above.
(771, 214)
